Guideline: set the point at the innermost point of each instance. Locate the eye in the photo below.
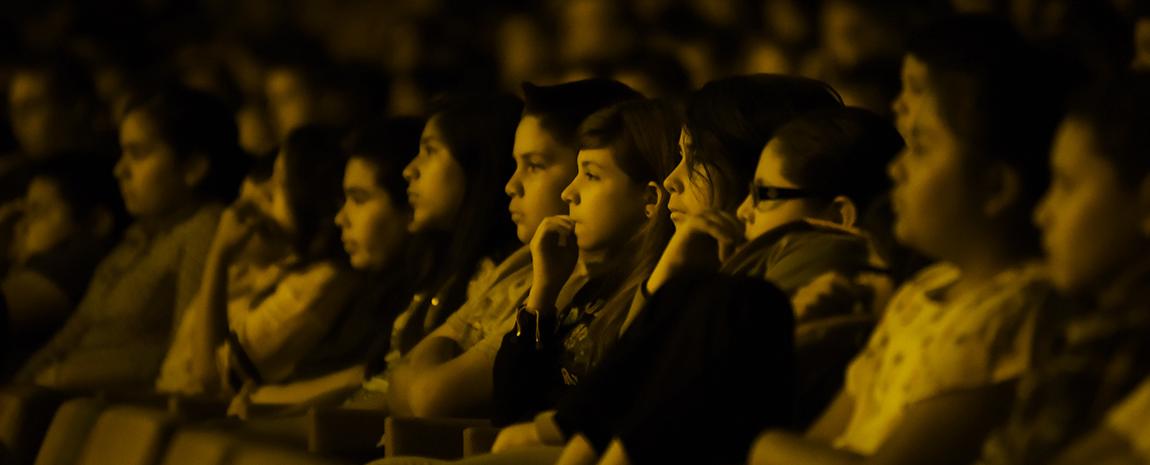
(590, 176)
(535, 167)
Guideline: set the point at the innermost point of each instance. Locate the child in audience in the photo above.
(939, 371)
(1087, 400)
(454, 184)
(179, 162)
(733, 117)
(255, 325)
(69, 219)
(432, 380)
(617, 224)
(373, 223)
(812, 178)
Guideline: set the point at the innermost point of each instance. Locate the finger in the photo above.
(717, 229)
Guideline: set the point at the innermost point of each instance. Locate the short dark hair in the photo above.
(192, 123)
(479, 132)
(1115, 112)
(388, 144)
(730, 120)
(840, 151)
(562, 108)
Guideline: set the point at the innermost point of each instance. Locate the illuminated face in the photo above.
(770, 214)
(1089, 219)
(373, 225)
(435, 182)
(152, 180)
(910, 96)
(607, 206)
(543, 168)
(933, 200)
(689, 189)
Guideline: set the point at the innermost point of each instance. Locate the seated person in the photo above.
(940, 369)
(71, 216)
(1088, 399)
(179, 162)
(453, 184)
(617, 225)
(449, 372)
(261, 321)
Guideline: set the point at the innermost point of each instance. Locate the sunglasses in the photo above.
(761, 193)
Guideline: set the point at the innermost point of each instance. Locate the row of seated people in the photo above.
(685, 282)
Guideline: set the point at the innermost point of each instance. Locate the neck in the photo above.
(982, 263)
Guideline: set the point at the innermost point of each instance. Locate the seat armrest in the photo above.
(440, 438)
(478, 440)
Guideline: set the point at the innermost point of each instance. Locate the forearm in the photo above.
(213, 319)
(402, 377)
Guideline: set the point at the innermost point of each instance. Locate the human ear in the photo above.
(843, 211)
(1002, 188)
(195, 170)
(654, 197)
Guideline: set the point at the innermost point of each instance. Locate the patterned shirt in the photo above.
(925, 347)
(1086, 363)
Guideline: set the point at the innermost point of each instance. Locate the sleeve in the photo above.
(190, 270)
(276, 334)
(525, 370)
(1010, 352)
(1131, 420)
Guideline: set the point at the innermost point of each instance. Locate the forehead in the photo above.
(359, 173)
(1073, 147)
(27, 84)
(431, 129)
(531, 137)
(769, 171)
(136, 126)
(605, 158)
(912, 67)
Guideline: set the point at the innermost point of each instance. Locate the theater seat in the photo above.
(200, 447)
(127, 435)
(25, 414)
(270, 455)
(440, 438)
(69, 430)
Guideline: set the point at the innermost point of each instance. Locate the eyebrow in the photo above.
(596, 164)
(533, 153)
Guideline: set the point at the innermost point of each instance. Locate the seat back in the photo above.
(127, 435)
(200, 447)
(69, 431)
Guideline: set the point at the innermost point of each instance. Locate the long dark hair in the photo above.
(479, 132)
(642, 135)
(313, 162)
(730, 120)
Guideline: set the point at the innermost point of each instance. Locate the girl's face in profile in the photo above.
(606, 205)
(1090, 219)
(689, 188)
(910, 97)
(153, 182)
(769, 214)
(435, 182)
(373, 226)
(933, 198)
